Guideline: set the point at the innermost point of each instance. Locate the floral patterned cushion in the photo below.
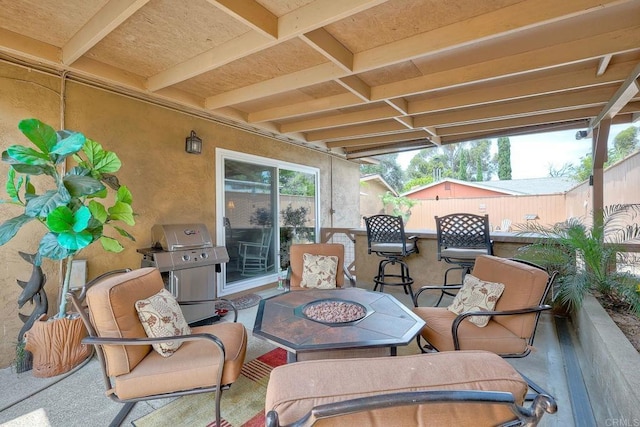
(161, 316)
(476, 295)
(319, 271)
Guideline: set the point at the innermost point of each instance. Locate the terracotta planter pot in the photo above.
(56, 346)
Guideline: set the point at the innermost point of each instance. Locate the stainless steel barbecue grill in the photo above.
(188, 262)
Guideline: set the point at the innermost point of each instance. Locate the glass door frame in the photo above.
(221, 156)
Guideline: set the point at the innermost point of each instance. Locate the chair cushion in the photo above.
(161, 316)
(112, 312)
(296, 254)
(476, 295)
(462, 253)
(319, 271)
(494, 337)
(194, 365)
(295, 388)
(524, 287)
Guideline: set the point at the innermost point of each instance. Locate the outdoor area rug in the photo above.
(242, 405)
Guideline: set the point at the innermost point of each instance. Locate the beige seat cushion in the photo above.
(296, 254)
(493, 337)
(295, 388)
(524, 286)
(113, 314)
(193, 365)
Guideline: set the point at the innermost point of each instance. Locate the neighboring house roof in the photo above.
(380, 179)
(551, 185)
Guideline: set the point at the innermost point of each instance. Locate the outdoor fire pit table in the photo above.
(330, 323)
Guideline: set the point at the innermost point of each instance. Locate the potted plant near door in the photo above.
(586, 258)
(73, 218)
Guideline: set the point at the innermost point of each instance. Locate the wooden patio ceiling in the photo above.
(355, 77)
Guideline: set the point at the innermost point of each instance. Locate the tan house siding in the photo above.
(168, 185)
(452, 190)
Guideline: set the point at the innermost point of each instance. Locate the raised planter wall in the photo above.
(611, 368)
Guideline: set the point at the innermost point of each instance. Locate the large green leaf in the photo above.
(51, 248)
(124, 233)
(10, 227)
(12, 189)
(124, 195)
(110, 244)
(98, 211)
(69, 143)
(80, 186)
(62, 219)
(41, 134)
(42, 205)
(122, 212)
(75, 241)
(94, 152)
(27, 155)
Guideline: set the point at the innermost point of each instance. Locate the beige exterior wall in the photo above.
(370, 201)
(168, 185)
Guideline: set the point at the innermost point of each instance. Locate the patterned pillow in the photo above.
(319, 271)
(476, 295)
(161, 316)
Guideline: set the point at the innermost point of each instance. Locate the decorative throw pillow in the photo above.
(161, 316)
(319, 271)
(476, 295)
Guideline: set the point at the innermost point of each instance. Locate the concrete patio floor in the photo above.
(78, 399)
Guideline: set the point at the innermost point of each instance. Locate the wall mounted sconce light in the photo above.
(193, 144)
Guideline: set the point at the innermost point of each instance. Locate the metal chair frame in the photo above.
(386, 238)
(523, 416)
(538, 309)
(461, 237)
(77, 297)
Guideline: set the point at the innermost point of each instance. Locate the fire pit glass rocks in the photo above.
(334, 311)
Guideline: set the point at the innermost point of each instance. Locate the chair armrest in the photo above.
(224, 301)
(527, 416)
(433, 288)
(348, 275)
(92, 340)
(459, 318)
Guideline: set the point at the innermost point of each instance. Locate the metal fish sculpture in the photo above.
(34, 285)
(40, 300)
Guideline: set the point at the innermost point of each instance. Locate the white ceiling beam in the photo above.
(26, 47)
(305, 107)
(252, 14)
(331, 48)
(627, 91)
(355, 85)
(386, 149)
(297, 22)
(375, 128)
(381, 139)
(511, 109)
(406, 121)
(340, 119)
(520, 16)
(112, 14)
(603, 64)
(310, 76)
(522, 86)
(561, 53)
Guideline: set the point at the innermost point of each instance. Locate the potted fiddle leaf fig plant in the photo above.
(76, 211)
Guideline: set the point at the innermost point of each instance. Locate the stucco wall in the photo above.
(168, 185)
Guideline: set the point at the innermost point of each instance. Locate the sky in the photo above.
(531, 155)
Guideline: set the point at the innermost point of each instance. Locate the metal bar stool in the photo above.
(462, 237)
(386, 238)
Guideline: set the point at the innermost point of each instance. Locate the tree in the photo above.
(504, 158)
(388, 169)
(400, 206)
(566, 170)
(624, 144)
(479, 175)
(462, 169)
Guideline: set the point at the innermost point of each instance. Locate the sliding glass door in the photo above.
(263, 207)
